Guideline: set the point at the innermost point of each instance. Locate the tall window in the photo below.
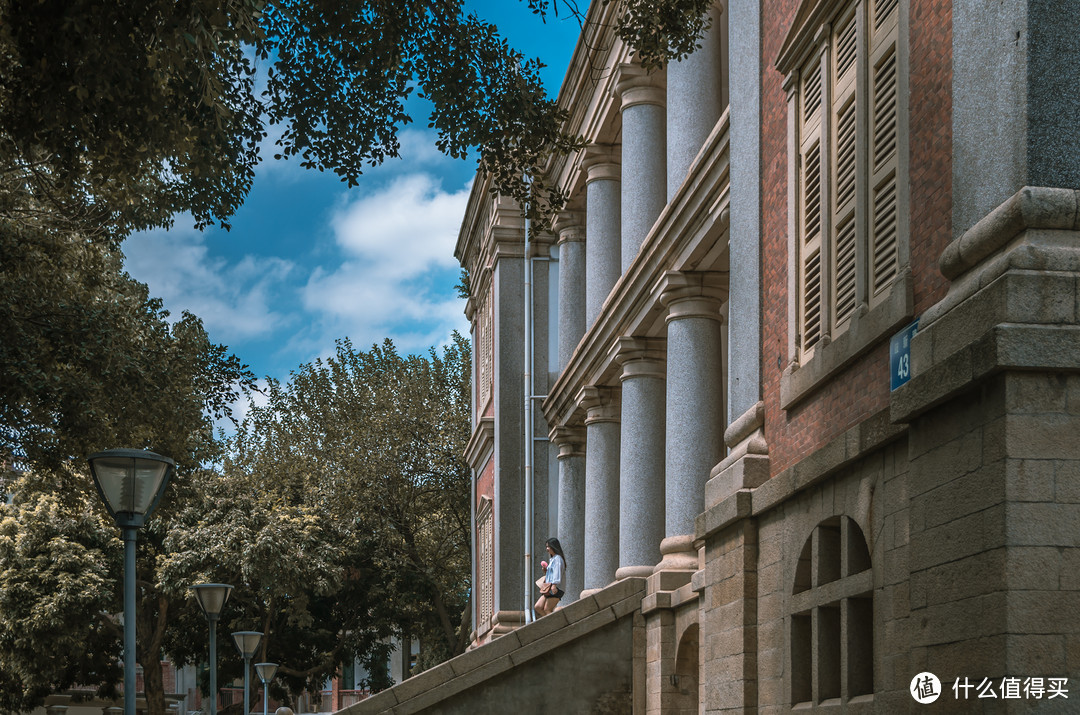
(831, 619)
(843, 85)
(485, 565)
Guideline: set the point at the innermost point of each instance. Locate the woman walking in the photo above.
(552, 590)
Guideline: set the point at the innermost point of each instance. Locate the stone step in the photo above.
(515, 662)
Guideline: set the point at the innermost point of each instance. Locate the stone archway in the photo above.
(685, 699)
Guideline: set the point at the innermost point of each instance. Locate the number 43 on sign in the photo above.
(900, 355)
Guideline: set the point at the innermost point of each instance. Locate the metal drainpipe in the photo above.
(528, 582)
(530, 439)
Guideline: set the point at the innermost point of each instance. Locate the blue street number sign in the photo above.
(900, 355)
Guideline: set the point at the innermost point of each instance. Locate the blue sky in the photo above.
(309, 261)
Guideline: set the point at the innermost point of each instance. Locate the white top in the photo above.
(555, 571)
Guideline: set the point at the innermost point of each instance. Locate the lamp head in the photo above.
(266, 671)
(130, 482)
(212, 598)
(247, 642)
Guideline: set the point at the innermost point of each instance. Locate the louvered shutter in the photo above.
(842, 154)
(811, 294)
(884, 109)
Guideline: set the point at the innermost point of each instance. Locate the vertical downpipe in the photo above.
(529, 616)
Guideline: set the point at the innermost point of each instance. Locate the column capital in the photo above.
(641, 357)
(601, 403)
(602, 161)
(569, 226)
(694, 294)
(636, 86)
(569, 440)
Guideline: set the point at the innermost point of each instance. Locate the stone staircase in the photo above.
(587, 657)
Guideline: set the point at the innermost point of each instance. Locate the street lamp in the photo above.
(266, 673)
(212, 598)
(247, 642)
(130, 482)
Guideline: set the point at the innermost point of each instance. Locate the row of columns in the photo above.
(666, 119)
(631, 482)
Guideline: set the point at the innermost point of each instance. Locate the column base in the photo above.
(504, 622)
(633, 572)
(678, 554)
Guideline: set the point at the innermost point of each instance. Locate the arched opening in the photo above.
(831, 621)
(685, 679)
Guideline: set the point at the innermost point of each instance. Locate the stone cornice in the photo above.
(681, 239)
(805, 32)
(482, 443)
(1030, 207)
(491, 226)
(588, 91)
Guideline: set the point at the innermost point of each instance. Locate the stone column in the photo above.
(696, 96)
(603, 219)
(601, 486)
(571, 232)
(1014, 99)
(508, 366)
(744, 231)
(571, 442)
(644, 163)
(695, 406)
(641, 456)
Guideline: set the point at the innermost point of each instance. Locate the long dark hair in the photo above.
(556, 547)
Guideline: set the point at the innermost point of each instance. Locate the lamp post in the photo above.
(266, 673)
(130, 482)
(247, 642)
(212, 598)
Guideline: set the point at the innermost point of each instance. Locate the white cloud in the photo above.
(403, 229)
(233, 300)
(398, 244)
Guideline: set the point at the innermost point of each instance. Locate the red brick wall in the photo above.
(931, 145)
(485, 483)
(863, 388)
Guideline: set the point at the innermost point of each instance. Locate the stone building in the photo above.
(804, 374)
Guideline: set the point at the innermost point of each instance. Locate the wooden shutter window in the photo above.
(842, 242)
(811, 93)
(883, 240)
(811, 328)
(846, 46)
(882, 10)
(812, 194)
(885, 111)
(811, 270)
(844, 295)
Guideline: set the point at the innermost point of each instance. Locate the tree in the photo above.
(116, 116)
(342, 512)
(304, 575)
(89, 362)
(89, 359)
